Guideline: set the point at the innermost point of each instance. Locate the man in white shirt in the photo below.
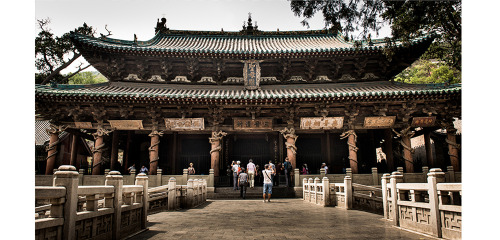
(235, 168)
(268, 183)
(251, 172)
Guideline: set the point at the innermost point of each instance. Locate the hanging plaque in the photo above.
(251, 74)
(180, 124)
(126, 124)
(248, 123)
(379, 122)
(423, 121)
(321, 122)
(83, 125)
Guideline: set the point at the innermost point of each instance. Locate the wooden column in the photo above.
(451, 139)
(328, 151)
(97, 151)
(215, 141)
(389, 156)
(127, 150)
(154, 151)
(406, 135)
(291, 149)
(353, 150)
(428, 149)
(174, 152)
(52, 148)
(74, 150)
(114, 150)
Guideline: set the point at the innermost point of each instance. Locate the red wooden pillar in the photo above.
(74, 150)
(389, 156)
(215, 141)
(114, 150)
(52, 150)
(98, 147)
(154, 151)
(407, 153)
(353, 150)
(451, 139)
(428, 149)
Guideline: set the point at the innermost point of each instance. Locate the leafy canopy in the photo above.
(428, 71)
(407, 19)
(87, 78)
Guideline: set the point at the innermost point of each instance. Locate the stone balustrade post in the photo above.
(326, 191)
(304, 188)
(296, 177)
(435, 176)
(396, 177)
(132, 172)
(172, 194)
(375, 176)
(114, 178)
(211, 178)
(348, 192)
(385, 201)
(81, 175)
(451, 174)
(184, 176)
(400, 169)
(317, 183)
(67, 177)
(348, 172)
(55, 170)
(106, 172)
(142, 179)
(159, 172)
(200, 191)
(322, 173)
(190, 193)
(204, 190)
(310, 182)
(425, 170)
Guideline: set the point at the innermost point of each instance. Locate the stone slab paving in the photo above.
(279, 219)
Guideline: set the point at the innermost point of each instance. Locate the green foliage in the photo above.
(407, 19)
(87, 78)
(427, 72)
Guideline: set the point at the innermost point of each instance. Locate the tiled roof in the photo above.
(138, 91)
(236, 44)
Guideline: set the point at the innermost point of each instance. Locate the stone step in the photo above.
(251, 193)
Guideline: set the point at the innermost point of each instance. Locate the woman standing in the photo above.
(191, 170)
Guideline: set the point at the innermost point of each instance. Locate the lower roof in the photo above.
(163, 92)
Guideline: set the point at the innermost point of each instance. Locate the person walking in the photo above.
(268, 183)
(273, 168)
(243, 182)
(251, 173)
(323, 165)
(288, 169)
(304, 170)
(235, 168)
(131, 168)
(191, 170)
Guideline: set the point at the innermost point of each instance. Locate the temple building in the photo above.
(211, 97)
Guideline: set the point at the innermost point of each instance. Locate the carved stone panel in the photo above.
(248, 123)
(379, 122)
(423, 121)
(180, 124)
(126, 124)
(321, 122)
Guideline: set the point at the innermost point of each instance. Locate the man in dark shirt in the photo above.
(288, 169)
(242, 182)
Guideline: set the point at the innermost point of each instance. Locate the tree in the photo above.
(86, 78)
(427, 72)
(53, 54)
(407, 19)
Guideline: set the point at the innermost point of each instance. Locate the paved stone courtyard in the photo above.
(279, 219)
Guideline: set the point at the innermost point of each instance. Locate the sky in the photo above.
(125, 18)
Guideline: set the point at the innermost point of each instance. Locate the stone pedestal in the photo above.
(67, 177)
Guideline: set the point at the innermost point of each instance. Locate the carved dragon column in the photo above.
(406, 135)
(97, 150)
(451, 139)
(291, 149)
(215, 141)
(53, 131)
(353, 150)
(154, 150)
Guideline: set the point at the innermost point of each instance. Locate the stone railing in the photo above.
(373, 179)
(433, 208)
(110, 211)
(346, 195)
(154, 180)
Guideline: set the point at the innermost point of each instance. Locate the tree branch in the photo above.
(59, 69)
(73, 74)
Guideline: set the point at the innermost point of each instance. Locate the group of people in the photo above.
(243, 178)
(144, 169)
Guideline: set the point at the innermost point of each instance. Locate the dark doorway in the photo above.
(194, 150)
(309, 151)
(255, 147)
